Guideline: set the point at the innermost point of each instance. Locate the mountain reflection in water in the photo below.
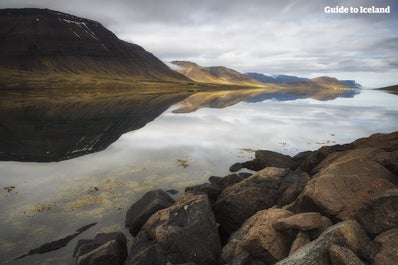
(43, 128)
(38, 126)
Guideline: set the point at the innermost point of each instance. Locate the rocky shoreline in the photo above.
(335, 205)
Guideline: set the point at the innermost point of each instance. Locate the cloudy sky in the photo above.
(272, 37)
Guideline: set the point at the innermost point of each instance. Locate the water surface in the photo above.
(52, 200)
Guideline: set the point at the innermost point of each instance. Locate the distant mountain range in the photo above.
(285, 79)
(213, 74)
(47, 41)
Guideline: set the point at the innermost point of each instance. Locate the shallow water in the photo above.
(52, 200)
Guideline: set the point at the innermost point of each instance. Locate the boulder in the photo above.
(258, 240)
(315, 233)
(211, 190)
(385, 159)
(266, 158)
(302, 239)
(301, 221)
(104, 249)
(186, 231)
(343, 256)
(317, 156)
(235, 167)
(340, 189)
(301, 156)
(84, 246)
(389, 160)
(146, 251)
(380, 213)
(388, 142)
(383, 250)
(240, 201)
(215, 187)
(348, 234)
(291, 186)
(227, 181)
(141, 210)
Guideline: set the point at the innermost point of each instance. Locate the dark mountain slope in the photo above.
(42, 40)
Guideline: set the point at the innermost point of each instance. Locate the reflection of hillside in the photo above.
(217, 99)
(38, 126)
(222, 99)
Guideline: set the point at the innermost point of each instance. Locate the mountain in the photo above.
(351, 83)
(214, 74)
(391, 89)
(277, 79)
(285, 79)
(46, 41)
(320, 82)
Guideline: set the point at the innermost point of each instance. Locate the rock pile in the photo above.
(336, 205)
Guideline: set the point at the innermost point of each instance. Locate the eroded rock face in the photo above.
(348, 234)
(184, 232)
(258, 240)
(240, 201)
(341, 188)
(140, 211)
(380, 213)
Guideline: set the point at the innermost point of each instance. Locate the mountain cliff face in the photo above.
(42, 40)
(214, 74)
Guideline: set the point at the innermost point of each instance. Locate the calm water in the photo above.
(52, 200)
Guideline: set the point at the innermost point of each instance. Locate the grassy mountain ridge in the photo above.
(54, 43)
(214, 74)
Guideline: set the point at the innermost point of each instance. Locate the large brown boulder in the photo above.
(240, 201)
(141, 210)
(185, 232)
(266, 158)
(383, 250)
(348, 234)
(257, 240)
(380, 213)
(343, 186)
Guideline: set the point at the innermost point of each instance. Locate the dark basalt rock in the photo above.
(145, 207)
(265, 158)
(184, 232)
(241, 200)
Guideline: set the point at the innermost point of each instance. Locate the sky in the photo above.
(295, 37)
